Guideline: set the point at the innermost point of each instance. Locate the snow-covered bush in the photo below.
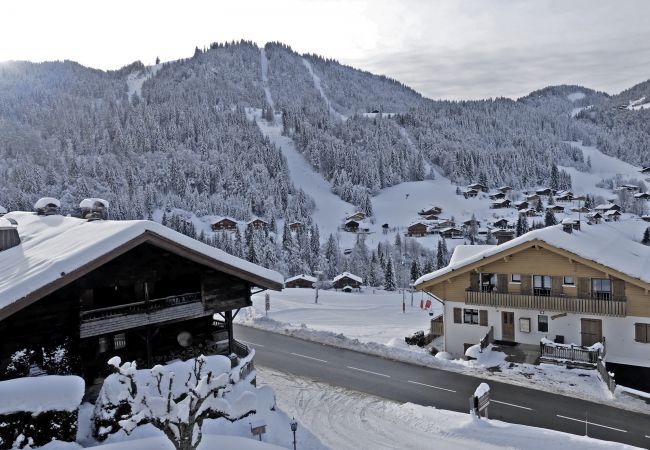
(37, 410)
(176, 398)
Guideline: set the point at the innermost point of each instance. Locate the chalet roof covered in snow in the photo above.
(301, 277)
(615, 245)
(462, 252)
(348, 275)
(53, 247)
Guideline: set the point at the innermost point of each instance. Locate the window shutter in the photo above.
(618, 289)
(458, 315)
(583, 287)
(525, 284)
(502, 282)
(556, 286)
(474, 281)
(483, 317)
(641, 332)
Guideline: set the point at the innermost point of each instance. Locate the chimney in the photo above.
(47, 206)
(9, 236)
(94, 209)
(503, 236)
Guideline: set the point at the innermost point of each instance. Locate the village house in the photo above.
(496, 195)
(347, 279)
(258, 224)
(530, 212)
(471, 222)
(521, 205)
(564, 196)
(300, 281)
(134, 289)
(358, 216)
(503, 235)
(594, 218)
(419, 228)
(431, 217)
(532, 198)
(645, 170)
(612, 215)
(225, 224)
(544, 191)
(296, 226)
(430, 210)
(503, 203)
(646, 218)
(607, 206)
(590, 287)
(470, 193)
(451, 233)
(642, 196)
(501, 223)
(630, 187)
(504, 189)
(478, 187)
(555, 208)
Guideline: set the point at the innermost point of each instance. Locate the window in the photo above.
(568, 281)
(119, 341)
(488, 282)
(515, 278)
(458, 315)
(524, 324)
(470, 316)
(601, 288)
(542, 285)
(542, 323)
(642, 332)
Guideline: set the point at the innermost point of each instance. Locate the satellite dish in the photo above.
(184, 338)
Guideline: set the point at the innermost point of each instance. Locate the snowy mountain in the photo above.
(245, 132)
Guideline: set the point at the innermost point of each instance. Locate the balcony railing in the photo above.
(140, 307)
(595, 306)
(561, 353)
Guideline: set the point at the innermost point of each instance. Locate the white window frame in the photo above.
(573, 281)
(471, 311)
(512, 278)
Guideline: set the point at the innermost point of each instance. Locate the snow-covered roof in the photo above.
(612, 212)
(606, 206)
(43, 202)
(5, 224)
(52, 246)
(39, 394)
(501, 201)
(349, 275)
(450, 229)
(615, 245)
(466, 251)
(89, 203)
(301, 277)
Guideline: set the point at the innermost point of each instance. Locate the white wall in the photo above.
(618, 332)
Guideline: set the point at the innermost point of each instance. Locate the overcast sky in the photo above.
(456, 49)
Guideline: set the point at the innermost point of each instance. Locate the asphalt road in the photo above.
(404, 382)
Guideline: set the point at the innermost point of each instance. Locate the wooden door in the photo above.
(507, 326)
(591, 331)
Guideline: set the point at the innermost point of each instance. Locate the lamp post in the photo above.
(294, 427)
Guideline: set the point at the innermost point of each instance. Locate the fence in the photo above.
(437, 326)
(572, 353)
(606, 376)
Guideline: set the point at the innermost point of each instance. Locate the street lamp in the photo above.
(293, 423)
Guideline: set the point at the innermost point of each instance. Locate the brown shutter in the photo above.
(618, 289)
(556, 286)
(583, 287)
(483, 317)
(502, 282)
(474, 282)
(641, 332)
(525, 284)
(458, 315)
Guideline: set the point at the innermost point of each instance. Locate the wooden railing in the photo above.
(611, 307)
(569, 353)
(607, 377)
(140, 307)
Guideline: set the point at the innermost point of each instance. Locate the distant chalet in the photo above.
(225, 224)
(300, 281)
(135, 289)
(347, 279)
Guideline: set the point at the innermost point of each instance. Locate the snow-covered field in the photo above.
(374, 324)
(362, 421)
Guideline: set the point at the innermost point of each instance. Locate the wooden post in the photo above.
(231, 340)
(148, 339)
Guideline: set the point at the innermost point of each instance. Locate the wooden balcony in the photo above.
(132, 315)
(547, 303)
(563, 353)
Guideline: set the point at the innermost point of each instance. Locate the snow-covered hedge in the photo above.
(36, 410)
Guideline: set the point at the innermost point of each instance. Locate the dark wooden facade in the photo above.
(148, 304)
(224, 224)
(346, 281)
(417, 229)
(299, 283)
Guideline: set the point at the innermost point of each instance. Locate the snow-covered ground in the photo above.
(369, 316)
(362, 421)
(135, 80)
(602, 166)
(374, 324)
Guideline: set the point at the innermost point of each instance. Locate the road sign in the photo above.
(480, 401)
(267, 303)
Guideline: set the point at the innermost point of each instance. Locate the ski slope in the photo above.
(602, 166)
(135, 80)
(318, 86)
(264, 62)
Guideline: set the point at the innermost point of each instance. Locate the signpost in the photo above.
(480, 401)
(267, 303)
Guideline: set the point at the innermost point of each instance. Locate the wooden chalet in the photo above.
(544, 191)
(532, 198)
(645, 218)
(530, 212)
(555, 208)
(300, 281)
(351, 225)
(502, 203)
(470, 193)
(501, 223)
(225, 224)
(642, 196)
(504, 189)
(432, 217)
(358, 216)
(451, 233)
(133, 289)
(418, 229)
(258, 224)
(521, 205)
(645, 170)
(564, 196)
(470, 222)
(347, 279)
(612, 215)
(607, 207)
(296, 226)
(478, 186)
(497, 195)
(594, 218)
(630, 187)
(430, 210)
(503, 236)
